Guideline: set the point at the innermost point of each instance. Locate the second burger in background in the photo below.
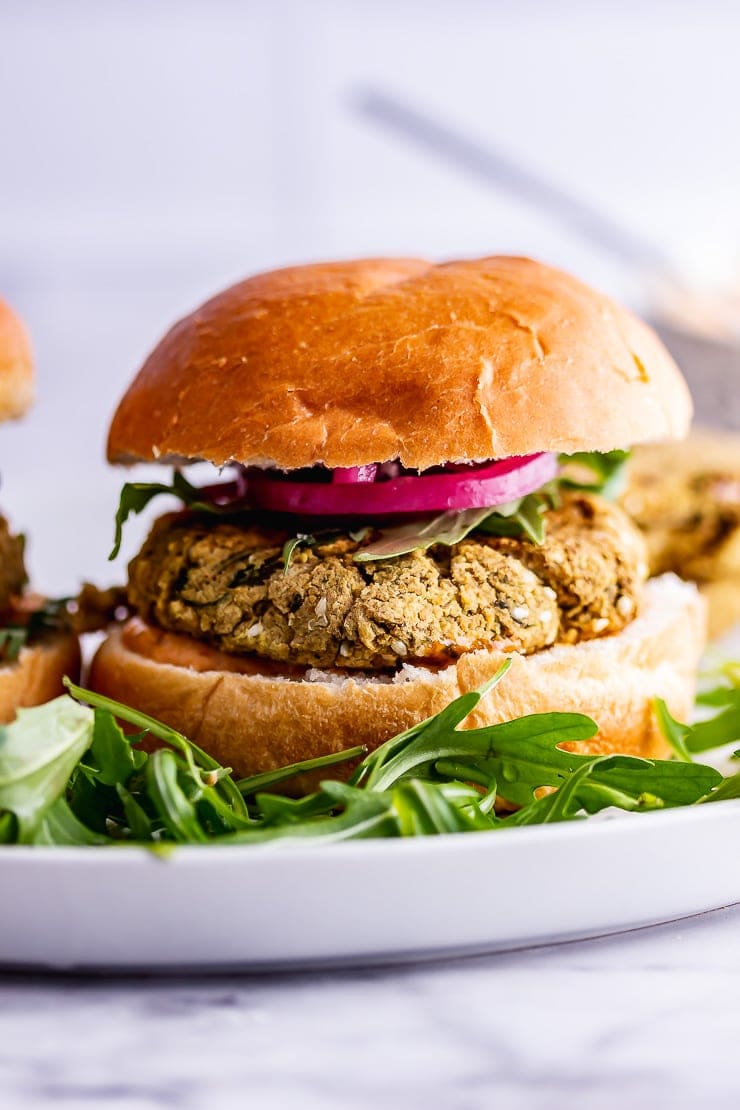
(395, 521)
(37, 649)
(685, 498)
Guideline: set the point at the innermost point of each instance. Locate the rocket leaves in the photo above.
(70, 774)
(523, 517)
(602, 472)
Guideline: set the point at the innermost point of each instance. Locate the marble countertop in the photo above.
(628, 1021)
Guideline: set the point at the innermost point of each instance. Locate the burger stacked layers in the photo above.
(395, 514)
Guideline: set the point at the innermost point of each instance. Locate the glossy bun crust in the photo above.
(16, 366)
(257, 722)
(36, 676)
(349, 363)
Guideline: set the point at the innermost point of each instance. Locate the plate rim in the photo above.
(621, 824)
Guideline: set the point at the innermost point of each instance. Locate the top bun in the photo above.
(16, 366)
(348, 363)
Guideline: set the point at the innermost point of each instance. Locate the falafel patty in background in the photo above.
(685, 498)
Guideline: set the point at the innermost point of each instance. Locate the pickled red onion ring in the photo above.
(351, 474)
(472, 487)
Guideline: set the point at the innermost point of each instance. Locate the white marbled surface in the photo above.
(642, 1019)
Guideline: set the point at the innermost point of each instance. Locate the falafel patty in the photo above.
(685, 498)
(225, 583)
(12, 568)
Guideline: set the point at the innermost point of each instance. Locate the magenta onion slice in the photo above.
(352, 474)
(356, 494)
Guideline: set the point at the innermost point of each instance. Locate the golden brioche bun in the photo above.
(16, 366)
(256, 722)
(349, 363)
(36, 676)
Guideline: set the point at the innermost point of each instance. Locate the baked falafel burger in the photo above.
(37, 649)
(412, 467)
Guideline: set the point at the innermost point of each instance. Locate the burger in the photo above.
(685, 498)
(37, 648)
(408, 459)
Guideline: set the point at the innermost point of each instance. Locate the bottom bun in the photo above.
(256, 722)
(36, 675)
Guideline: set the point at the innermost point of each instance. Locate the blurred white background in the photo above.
(153, 152)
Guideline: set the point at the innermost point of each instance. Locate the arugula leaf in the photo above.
(712, 732)
(114, 759)
(13, 637)
(672, 782)
(418, 535)
(424, 809)
(603, 472)
(135, 496)
(522, 755)
(304, 539)
(559, 805)
(196, 758)
(367, 815)
(587, 789)
(290, 547)
(174, 807)
(140, 824)
(523, 517)
(729, 788)
(8, 828)
(525, 754)
(437, 741)
(38, 753)
(60, 826)
(267, 779)
(674, 732)
(276, 809)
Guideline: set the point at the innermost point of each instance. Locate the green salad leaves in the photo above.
(525, 516)
(603, 472)
(71, 775)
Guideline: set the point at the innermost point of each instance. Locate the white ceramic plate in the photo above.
(359, 902)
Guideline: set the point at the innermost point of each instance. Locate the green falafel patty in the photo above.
(225, 583)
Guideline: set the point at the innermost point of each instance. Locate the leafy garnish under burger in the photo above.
(69, 774)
